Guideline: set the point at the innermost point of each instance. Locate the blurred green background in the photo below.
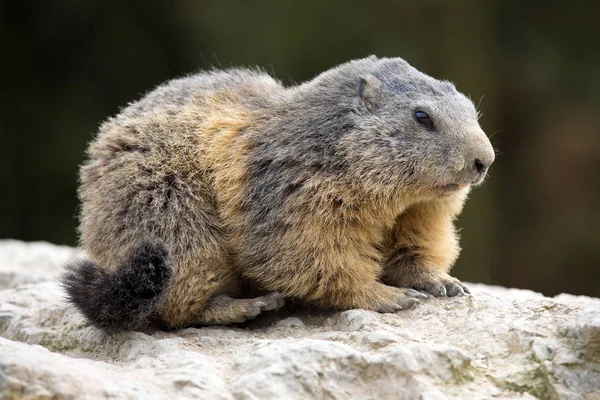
(67, 65)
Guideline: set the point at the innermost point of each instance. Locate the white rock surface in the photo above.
(497, 343)
(31, 262)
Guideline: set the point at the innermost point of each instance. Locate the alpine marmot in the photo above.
(218, 195)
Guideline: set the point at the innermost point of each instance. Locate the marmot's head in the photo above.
(393, 126)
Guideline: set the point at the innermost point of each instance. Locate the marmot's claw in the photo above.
(442, 291)
(404, 303)
(389, 308)
(406, 299)
(444, 288)
(272, 301)
(457, 288)
(436, 289)
(416, 294)
(454, 288)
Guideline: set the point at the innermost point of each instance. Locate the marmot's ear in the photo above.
(370, 91)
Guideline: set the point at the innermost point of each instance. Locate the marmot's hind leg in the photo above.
(223, 310)
(203, 291)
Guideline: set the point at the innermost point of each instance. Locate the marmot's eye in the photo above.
(423, 119)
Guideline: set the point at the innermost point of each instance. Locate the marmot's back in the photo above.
(179, 92)
(150, 169)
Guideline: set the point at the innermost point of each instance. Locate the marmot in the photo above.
(339, 192)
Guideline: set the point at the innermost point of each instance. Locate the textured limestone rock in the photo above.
(31, 262)
(498, 343)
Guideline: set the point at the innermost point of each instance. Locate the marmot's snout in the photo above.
(475, 158)
(481, 157)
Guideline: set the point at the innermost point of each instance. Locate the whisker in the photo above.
(492, 135)
(218, 61)
(479, 102)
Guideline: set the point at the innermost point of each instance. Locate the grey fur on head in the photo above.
(362, 119)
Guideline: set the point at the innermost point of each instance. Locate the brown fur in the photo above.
(180, 168)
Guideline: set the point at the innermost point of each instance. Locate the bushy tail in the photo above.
(122, 299)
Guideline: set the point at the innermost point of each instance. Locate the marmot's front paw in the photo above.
(440, 285)
(405, 298)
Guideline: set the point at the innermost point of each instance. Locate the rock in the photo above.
(31, 262)
(588, 324)
(501, 343)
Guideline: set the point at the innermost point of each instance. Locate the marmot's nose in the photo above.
(481, 153)
(480, 166)
(484, 160)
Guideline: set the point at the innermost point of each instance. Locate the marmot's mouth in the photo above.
(453, 187)
(478, 180)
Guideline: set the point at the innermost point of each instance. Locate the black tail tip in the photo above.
(122, 299)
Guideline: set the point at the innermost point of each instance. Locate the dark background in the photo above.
(67, 65)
